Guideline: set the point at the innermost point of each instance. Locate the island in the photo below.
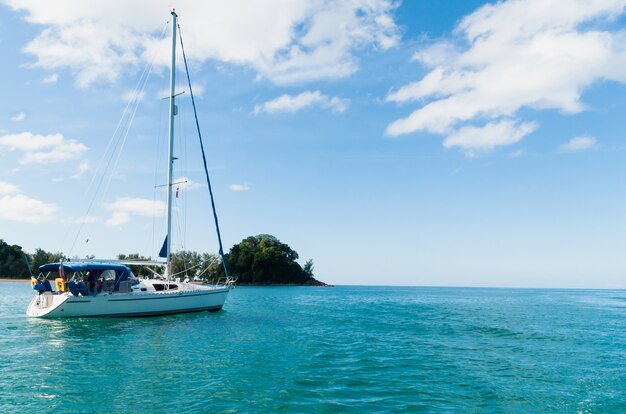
(261, 260)
(265, 260)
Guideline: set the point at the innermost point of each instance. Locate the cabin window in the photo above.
(161, 286)
(108, 274)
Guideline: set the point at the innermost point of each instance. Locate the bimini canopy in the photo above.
(122, 273)
(84, 267)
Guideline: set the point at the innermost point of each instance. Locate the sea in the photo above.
(341, 349)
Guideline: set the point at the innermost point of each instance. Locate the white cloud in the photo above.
(51, 78)
(117, 219)
(291, 103)
(82, 168)
(18, 207)
(285, 41)
(474, 140)
(198, 90)
(185, 183)
(511, 55)
(132, 96)
(11, 172)
(126, 207)
(15, 206)
(8, 188)
(239, 187)
(579, 144)
(19, 117)
(42, 149)
(82, 220)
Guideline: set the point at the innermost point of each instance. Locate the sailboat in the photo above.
(108, 288)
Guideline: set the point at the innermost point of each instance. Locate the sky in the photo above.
(447, 143)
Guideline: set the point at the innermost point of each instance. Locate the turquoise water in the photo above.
(341, 349)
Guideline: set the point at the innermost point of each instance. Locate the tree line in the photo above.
(13, 260)
(261, 259)
(185, 264)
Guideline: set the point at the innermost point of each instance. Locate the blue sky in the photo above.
(448, 143)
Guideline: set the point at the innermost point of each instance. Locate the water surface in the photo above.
(341, 349)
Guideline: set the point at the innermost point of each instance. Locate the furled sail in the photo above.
(163, 251)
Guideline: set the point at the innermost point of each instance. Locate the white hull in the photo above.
(191, 298)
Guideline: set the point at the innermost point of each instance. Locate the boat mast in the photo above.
(170, 152)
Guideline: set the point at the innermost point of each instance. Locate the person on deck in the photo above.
(90, 282)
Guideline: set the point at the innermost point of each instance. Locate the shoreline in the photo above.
(7, 280)
(280, 285)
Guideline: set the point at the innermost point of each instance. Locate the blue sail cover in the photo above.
(163, 251)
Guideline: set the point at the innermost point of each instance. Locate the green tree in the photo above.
(41, 257)
(265, 259)
(185, 264)
(12, 263)
(308, 268)
(195, 265)
(138, 270)
(210, 268)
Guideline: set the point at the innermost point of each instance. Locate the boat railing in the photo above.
(228, 281)
(221, 282)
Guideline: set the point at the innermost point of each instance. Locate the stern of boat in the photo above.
(43, 305)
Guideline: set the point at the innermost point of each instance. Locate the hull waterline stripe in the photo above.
(144, 314)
